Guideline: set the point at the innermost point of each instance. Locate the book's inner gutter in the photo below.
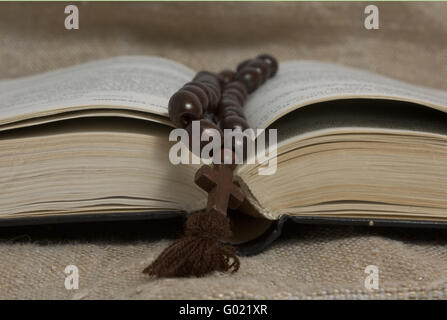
(356, 159)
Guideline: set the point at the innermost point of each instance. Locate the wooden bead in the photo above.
(228, 102)
(227, 76)
(205, 134)
(234, 122)
(200, 93)
(210, 117)
(214, 97)
(234, 93)
(233, 101)
(231, 111)
(215, 87)
(228, 113)
(271, 61)
(262, 67)
(212, 86)
(250, 77)
(198, 84)
(183, 107)
(206, 76)
(242, 64)
(226, 107)
(238, 86)
(201, 74)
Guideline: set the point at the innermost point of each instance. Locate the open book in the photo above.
(92, 141)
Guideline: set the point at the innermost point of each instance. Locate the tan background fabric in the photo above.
(308, 261)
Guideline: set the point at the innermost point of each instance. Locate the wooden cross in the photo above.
(218, 182)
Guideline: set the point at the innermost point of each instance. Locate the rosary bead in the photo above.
(210, 90)
(216, 88)
(210, 117)
(262, 67)
(230, 101)
(227, 76)
(209, 79)
(234, 93)
(214, 96)
(250, 77)
(202, 75)
(184, 106)
(242, 64)
(231, 112)
(238, 86)
(200, 93)
(228, 113)
(198, 84)
(226, 103)
(205, 134)
(271, 61)
(229, 105)
(234, 122)
(220, 97)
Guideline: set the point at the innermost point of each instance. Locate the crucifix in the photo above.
(218, 182)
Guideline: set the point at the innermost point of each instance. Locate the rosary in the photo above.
(216, 101)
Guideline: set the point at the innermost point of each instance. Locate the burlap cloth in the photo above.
(308, 261)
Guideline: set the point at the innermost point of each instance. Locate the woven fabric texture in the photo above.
(307, 261)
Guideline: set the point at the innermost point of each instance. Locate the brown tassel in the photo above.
(200, 251)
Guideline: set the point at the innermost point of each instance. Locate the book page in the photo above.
(300, 83)
(360, 115)
(137, 83)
